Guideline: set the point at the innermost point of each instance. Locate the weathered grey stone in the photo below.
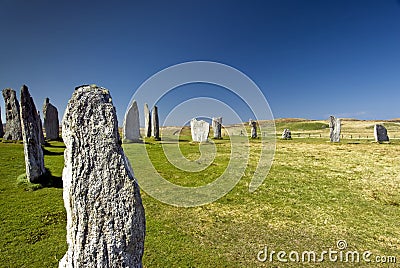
(1, 126)
(253, 125)
(335, 127)
(41, 135)
(287, 134)
(131, 127)
(217, 127)
(34, 160)
(147, 121)
(50, 118)
(155, 130)
(199, 130)
(105, 215)
(13, 121)
(380, 133)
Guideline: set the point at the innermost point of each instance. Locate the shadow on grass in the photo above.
(47, 180)
(47, 152)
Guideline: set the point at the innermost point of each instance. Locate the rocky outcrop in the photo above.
(131, 127)
(50, 120)
(13, 121)
(34, 160)
(105, 215)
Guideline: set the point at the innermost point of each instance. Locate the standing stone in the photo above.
(253, 125)
(13, 121)
(155, 131)
(147, 121)
(105, 215)
(287, 134)
(199, 130)
(50, 118)
(34, 160)
(41, 135)
(131, 127)
(335, 126)
(380, 133)
(217, 126)
(1, 126)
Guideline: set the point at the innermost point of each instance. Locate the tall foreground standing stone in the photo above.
(147, 121)
(50, 120)
(1, 127)
(217, 126)
(105, 215)
(335, 126)
(13, 121)
(131, 127)
(155, 131)
(34, 160)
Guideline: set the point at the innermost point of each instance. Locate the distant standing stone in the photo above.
(131, 127)
(380, 133)
(253, 125)
(1, 127)
(41, 135)
(199, 130)
(287, 134)
(217, 127)
(335, 127)
(155, 131)
(147, 121)
(34, 160)
(13, 120)
(50, 118)
(105, 215)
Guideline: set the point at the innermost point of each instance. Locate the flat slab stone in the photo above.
(380, 133)
(199, 130)
(105, 215)
(50, 120)
(131, 126)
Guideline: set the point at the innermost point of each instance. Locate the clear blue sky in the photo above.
(310, 58)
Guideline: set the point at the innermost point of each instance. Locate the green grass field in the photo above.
(315, 194)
